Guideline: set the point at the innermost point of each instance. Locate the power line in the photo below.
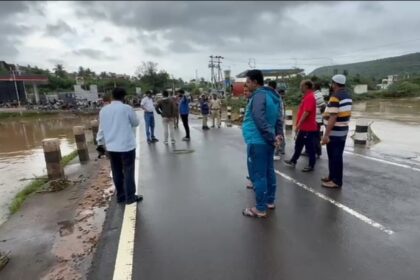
(215, 64)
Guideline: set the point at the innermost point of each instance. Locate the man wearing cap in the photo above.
(336, 118)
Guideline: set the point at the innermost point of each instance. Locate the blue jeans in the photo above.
(122, 166)
(335, 150)
(149, 119)
(261, 172)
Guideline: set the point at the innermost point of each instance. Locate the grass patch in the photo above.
(35, 186)
(27, 114)
(21, 196)
(68, 158)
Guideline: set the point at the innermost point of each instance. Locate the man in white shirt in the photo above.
(116, 123)
(149, 118)
(320, 108)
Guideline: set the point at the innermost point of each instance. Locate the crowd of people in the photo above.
(262, 129)
(264, 134)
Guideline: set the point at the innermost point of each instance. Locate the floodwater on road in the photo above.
(397, 124)
(21, 154)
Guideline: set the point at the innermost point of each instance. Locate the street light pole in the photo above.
(17, 92)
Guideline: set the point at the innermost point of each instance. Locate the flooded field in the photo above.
(21, 155)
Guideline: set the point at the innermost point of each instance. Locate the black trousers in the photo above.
(122, 166)
(184, 119)
(307, 139)
(335, 150)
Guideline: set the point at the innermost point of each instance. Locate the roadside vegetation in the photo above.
(30, 114)
(35, 185)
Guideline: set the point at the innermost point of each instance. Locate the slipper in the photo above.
(325, 179)
(248, 212)
(331, 185)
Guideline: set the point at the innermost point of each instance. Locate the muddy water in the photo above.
(397, 123)
(21, 155)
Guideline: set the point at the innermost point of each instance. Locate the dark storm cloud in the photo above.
(184, 24)
(92, 53)
(9, 8)
(270, 29)
(59, 29)
(9, 30)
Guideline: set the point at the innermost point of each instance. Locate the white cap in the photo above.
(339, 79)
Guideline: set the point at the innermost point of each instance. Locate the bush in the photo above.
(403, 89)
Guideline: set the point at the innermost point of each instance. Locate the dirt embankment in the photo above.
(55, 234)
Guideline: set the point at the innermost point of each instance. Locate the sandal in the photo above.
(250, 212)
(330, 185)
(325, 179)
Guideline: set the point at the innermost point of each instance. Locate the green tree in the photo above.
(152, 79)
(59, 71)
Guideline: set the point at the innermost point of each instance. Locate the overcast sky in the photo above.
(180, 36)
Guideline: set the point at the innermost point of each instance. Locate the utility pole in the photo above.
(212, 65)
(219, 72)
(16, 88)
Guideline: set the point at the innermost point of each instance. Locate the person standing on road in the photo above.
(262, 131)
(166, 108)
(176, 119)
(216, 107)
(149, 118)
(249, 184)
(279, 149)
(320, 108)
(306, 127)
(184, 110)
(205, 110)
(336, 118)
(116, 123)
(282, 93)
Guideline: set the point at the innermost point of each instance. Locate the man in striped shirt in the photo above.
(336, 118)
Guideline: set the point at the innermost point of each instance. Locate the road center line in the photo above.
(384, 161)
(350, 211)
(123, 269)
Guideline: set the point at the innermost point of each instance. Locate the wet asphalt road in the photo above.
(190, 224)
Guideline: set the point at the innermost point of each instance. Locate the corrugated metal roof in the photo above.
(24, 78)
(274, 72)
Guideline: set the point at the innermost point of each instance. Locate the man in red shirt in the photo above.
(306, 127)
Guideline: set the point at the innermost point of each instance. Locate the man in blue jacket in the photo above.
(184, 110)
(262, 132)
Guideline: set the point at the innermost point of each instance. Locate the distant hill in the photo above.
(405, 64)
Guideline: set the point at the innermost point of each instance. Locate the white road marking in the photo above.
(350, 211)
(124, 262)
(384, 161)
